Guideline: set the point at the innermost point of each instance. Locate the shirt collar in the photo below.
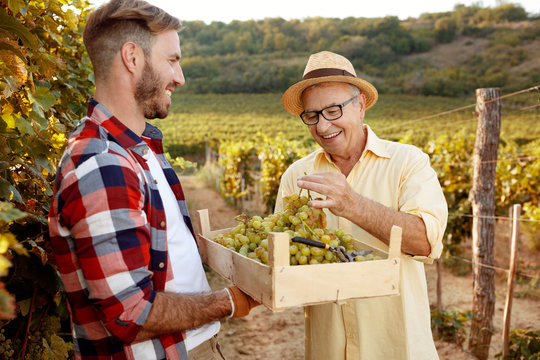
(373, 145)
(125, 137)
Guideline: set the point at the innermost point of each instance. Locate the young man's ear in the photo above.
(132, 56)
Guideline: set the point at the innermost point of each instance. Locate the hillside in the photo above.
(446, 54)
(453, 54)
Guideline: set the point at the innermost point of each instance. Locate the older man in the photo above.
(118, 222)
(367, 185)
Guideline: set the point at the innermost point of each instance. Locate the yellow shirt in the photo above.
(400, 177)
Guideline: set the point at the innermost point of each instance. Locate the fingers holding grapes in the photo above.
(339, 196)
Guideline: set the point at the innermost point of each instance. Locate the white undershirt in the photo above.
(189, 276)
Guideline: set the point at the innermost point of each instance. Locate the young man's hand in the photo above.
(242, 303)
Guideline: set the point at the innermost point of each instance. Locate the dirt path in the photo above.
(276, 336)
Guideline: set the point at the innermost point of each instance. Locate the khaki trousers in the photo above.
(208, 350)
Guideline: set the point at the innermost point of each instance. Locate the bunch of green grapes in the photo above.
(250, 236)
(8, 348)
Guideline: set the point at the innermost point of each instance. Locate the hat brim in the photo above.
(292, 98)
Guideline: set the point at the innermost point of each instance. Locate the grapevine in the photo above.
(235, 161)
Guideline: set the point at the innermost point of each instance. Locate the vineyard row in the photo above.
(257, 165)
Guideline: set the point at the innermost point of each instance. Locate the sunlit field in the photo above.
(196, 119)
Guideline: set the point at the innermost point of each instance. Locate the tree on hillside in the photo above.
(445, 30)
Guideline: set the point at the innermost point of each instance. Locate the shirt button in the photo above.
(161, 265)
(155, 181)
(162, 224)
(145, 152)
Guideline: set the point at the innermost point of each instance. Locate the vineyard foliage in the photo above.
(234, 124)
(45, 83)
(46, 79)
(264, 159)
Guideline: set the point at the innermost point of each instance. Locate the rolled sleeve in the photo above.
(421, 195)
(104, 211)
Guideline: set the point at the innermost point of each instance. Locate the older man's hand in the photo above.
(340, 197)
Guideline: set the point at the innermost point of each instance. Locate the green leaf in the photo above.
(55, 349)
(5, 192)
(11, 86)
(11, 25)
(24, 306)
(9, 47)
(38, 117)
(15, 195)
(44, 98)
(16, 5)
(24, 126)
(8, 213)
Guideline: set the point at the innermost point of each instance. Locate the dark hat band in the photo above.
(326, 72)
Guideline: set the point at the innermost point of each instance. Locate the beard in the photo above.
(148, 93)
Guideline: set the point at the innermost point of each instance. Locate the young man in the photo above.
(368, 185)
(119, 224)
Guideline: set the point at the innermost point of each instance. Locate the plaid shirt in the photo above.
(108, 230)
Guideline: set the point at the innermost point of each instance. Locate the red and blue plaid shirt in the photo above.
(108, 231)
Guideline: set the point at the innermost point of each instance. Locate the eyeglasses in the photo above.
(330, 113)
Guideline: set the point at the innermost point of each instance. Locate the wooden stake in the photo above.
(511, 276)
(439, 286)
(482, 196)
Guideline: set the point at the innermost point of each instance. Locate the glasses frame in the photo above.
(321, 112)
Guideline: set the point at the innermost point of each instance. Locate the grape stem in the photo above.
(32, 302)
(241, 218)
(307, 227)
(308, 193)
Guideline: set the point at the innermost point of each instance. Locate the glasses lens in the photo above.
(332, 112)
(310, 117)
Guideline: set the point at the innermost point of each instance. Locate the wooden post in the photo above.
(482, 196)
(439, 285)
(207, 153)
(511, 276)
(242, 198)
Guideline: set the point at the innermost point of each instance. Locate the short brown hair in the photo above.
(119, 21)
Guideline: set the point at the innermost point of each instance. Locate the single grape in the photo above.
(293, 260)
(346, 238)
(319, 232)
(259, 251)
(328, 255)
(302, 215)
(315, 251)
(264, 257)
(295, 220)
(293, 249)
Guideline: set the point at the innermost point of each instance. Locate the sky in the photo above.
(228, 10)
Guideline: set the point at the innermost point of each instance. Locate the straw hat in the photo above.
(326, 66)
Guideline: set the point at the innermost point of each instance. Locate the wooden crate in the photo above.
(279, 286)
